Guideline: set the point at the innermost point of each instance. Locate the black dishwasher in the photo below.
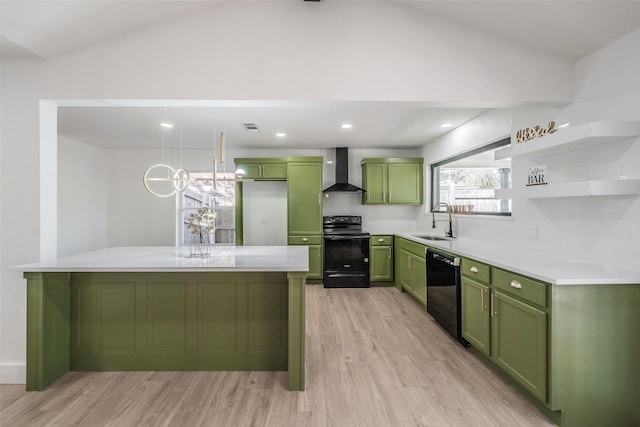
(443, 292)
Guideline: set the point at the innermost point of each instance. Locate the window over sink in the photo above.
(467, 182)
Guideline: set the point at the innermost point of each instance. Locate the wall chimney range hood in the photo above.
(342, 174)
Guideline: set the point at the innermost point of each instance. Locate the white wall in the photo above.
(82, 197)
(594, 229)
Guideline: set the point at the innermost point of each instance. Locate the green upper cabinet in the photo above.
(263, 169)
(304, 196)
(397, 181)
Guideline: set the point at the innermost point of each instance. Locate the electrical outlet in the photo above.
(531, 231)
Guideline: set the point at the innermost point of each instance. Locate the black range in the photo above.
(346, 252)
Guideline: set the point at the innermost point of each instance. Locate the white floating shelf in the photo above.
(572, 138)
(616, 187)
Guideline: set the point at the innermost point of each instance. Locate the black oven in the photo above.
(346, 253)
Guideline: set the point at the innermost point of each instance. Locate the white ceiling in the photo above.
(568, 29)
(379, 124)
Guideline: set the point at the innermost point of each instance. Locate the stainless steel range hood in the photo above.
(342, 174)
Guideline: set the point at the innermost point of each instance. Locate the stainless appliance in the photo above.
(346, 252)
(443, 292)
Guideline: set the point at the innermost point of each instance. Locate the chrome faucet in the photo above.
(433, 213)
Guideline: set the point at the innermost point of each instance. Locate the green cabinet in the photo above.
(392, 181)
(410, 268)
(381, 258)
(519, 342)
(304, 197)
(262, 169)
(304, 208)
(475, 315)
(504, 317)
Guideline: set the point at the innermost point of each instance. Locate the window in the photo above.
(222, 200)
(467, 182)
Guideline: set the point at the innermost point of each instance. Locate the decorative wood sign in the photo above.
(536, 176)
(527, 134)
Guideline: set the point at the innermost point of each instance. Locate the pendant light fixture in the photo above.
(180, 177)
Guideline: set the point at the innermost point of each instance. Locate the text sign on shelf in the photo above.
(527, 134)
(536, 176)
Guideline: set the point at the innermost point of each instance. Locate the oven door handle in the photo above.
(345, 237)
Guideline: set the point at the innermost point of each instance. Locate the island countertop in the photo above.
(176, 259)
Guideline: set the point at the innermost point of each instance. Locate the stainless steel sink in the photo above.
(432, 237)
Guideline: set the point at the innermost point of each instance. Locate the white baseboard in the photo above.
(13, 374)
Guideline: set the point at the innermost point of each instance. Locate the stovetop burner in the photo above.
(343, 225)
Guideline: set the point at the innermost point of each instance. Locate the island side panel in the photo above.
(297, 283)
(595, 374)
(48, 328)
(179, 321)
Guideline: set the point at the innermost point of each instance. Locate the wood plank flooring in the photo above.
(374, 358)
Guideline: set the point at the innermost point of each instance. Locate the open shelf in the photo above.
(573, 138)
(613, 187)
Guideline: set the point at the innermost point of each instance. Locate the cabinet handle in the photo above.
(492, 303)
(516, 284)
(482, 307)
(319, 198)
(474, 269)
(380, 240)
(304, 239)
(409, 262)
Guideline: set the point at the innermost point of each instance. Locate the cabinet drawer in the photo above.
(381, 240)
(410, 246)
(520, 286)
(476, 270)
(305, 240)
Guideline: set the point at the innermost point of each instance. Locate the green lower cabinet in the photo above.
(475, 315)
(381, 258)
(519, 342)
(413, 275)
(315, 262)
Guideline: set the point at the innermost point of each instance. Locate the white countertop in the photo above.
(170, 258)
(554, 270)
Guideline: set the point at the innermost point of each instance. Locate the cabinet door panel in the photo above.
(475, 315)
(252, 170)
(519, 342)
(375, 182)
(274, 171)
(304, 190)
(381, 263)
(315, 262)
(419, 273)
(405, 183)
(403, 270)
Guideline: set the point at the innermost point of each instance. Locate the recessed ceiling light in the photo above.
(166, 125)
(281, 134)
(346, 126)
(564, 125)
(446, 125)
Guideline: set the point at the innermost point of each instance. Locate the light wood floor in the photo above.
(374, 358)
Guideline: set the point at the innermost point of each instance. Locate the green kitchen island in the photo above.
(154, 308)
